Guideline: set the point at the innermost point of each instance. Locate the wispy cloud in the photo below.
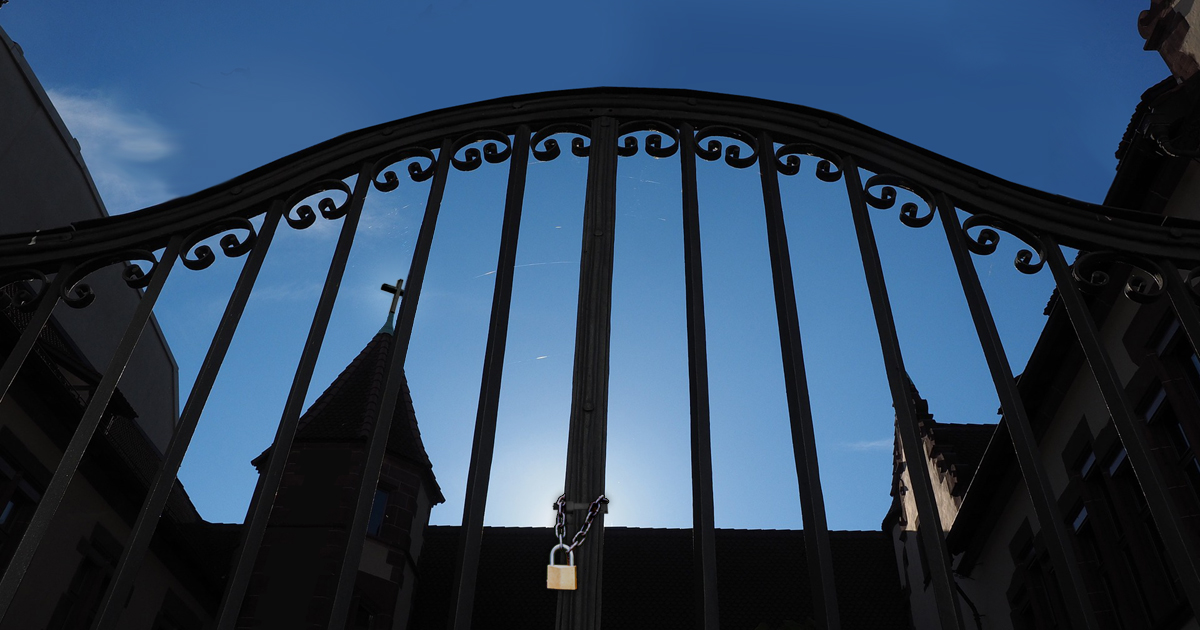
(871, 445)
(120, 146)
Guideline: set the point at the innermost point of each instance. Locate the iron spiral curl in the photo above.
(305, 216)
(78, 294)
(545, 148)
(829, 168)
(385, 167)
(1192, 280)
(733, 153)
(26, 298)
(230, 244)
(910, 213)
(473, 157)
(1029, 260)
(654, 146)
(1145, 284)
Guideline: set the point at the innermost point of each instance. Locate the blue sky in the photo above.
(167, 99)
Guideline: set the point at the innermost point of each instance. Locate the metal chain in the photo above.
(560, 523)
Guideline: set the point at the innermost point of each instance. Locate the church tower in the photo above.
(295, 574)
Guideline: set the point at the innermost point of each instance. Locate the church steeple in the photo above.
(307, 532)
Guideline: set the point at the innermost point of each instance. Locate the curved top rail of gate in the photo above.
(1074, 223)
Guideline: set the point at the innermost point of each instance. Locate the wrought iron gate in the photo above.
(744, 133)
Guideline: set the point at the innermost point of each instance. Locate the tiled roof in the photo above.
(1139, 112)
(648, 581)
(347, 409)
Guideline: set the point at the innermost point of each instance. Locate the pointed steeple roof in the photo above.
(346, 411)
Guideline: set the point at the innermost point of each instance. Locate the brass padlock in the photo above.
(561, 576)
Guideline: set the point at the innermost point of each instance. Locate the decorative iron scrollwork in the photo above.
(910, 213)
(416, 171)
(305, 216)
(1192, 280)
(829, 169)
(544, 148)
(472, 157)
(733, 153)
(988, 240)
(230, 244)
(26, 298)
(1145, 283)
(654, 146)
(78, 294)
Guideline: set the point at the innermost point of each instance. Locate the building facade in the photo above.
(1004, 574)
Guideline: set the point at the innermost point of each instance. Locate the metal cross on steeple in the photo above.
(396, 290)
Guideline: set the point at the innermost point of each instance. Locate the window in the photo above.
(364, 618)
(1095, 565)
(1135, 540)
(1172, 406)
(22, 479)
(77, 607)
(365, 614)
(1160, 414)
(1109, 528)
(378, 512)
(1033, 594)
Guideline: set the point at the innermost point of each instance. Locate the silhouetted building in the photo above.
(1000, 556)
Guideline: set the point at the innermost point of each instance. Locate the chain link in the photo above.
(560, 521)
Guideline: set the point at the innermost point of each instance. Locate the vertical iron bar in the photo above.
(482, 450)
(160, 489)
(930, 529)
(264, 499)
(420, 257)
(37, 321)
(1025, 445)
(588, 434)
(397, 353)
(704, 546)
(64, 473)
(1180, 547)
(804, 441)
